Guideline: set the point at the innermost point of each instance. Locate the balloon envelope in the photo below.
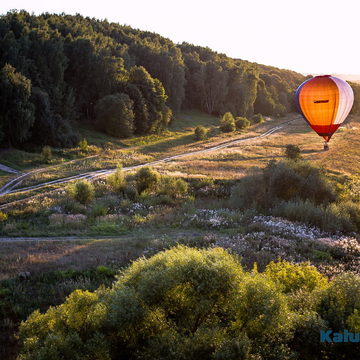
(325, 102)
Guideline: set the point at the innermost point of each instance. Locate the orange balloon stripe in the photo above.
(319, 102)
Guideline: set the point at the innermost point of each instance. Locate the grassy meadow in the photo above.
(191, 202)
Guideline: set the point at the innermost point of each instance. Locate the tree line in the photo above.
(59, 69)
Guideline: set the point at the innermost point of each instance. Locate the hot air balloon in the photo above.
(325, 102)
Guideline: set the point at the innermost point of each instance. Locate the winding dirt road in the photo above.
(8, 169)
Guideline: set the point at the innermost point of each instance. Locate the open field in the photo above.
(343, 156)
(83, 246)
(50, 254)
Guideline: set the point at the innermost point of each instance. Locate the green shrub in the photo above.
(46, 154)
(99, 209)
(83, 144)
(340, 307)
(292, 152)
(131, 192)
(146, 179)
(200, 133)
(213, 131)
(172, 187)
(180, 304)
(227, 123)
(117, 180)
(82, 191)
(242, 123)
(295, 277)
(3, 216)
(289, 180)
(257, 119)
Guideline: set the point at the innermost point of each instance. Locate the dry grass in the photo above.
(80, 254)
(232, 162)
(34, 257)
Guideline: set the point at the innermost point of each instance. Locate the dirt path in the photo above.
(8, 187)
(8, 169)
(56, 238)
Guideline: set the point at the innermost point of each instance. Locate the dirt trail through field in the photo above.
(8, 169)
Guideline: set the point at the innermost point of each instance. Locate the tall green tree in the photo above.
(16, 110)
(115, 116)
(155, 98)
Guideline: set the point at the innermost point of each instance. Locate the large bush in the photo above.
(190, 304)
(227, 122)
(146, 179)
(83, 191)
(180, 304)
(242, 123)
(283, 181)
(200, 133)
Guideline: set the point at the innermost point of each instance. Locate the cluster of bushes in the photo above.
(298, 191)
(283, 181)
(144, 183)
(186, 303)
(229, 123)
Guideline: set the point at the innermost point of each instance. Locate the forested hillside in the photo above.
(59, 69)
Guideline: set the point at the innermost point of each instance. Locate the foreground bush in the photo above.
(186, 303)
(179, 304)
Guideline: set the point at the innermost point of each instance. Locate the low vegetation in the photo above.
(298, 191)
(200, 133)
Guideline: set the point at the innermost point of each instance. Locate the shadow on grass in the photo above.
(165, 145)
(191, 119)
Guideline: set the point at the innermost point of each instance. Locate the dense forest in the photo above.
(56, 70)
